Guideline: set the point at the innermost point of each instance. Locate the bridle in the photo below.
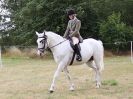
(44, 41)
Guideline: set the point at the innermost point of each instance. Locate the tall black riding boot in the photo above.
(79, 57)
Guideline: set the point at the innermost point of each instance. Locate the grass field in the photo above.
(24, 78)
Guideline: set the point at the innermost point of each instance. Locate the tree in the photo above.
(104, 8)
(115, 31)
(29, 16)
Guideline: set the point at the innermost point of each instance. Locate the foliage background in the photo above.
(108, 20)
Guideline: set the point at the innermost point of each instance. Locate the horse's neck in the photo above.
(54, 39)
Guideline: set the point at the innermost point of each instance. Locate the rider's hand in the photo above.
(71, 32)
(68, 37)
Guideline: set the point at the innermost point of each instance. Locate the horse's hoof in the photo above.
(71, 89)
(98, 85)
(51, 91)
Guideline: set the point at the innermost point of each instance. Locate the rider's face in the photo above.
(71, 17)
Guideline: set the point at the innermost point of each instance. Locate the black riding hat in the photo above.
(70, 12)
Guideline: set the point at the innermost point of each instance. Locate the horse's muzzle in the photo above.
(40, 53)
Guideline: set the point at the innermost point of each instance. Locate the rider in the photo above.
(72, 31)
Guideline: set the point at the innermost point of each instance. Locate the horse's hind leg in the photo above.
(97, 73)
(91, 65)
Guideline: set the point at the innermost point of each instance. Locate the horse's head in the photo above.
(42, 42)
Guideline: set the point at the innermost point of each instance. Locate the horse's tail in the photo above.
(101, 64)
(102, 56)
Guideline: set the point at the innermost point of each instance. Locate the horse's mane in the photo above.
(53, 35)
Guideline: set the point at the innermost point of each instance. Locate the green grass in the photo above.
(110, 82)
(25, 78)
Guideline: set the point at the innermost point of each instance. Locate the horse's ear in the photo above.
(44, 32)
(37, 33)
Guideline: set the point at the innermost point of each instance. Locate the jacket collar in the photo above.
(74, 19)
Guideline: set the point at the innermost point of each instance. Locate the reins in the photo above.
(58, 44)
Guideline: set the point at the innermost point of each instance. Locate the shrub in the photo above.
(115, 31)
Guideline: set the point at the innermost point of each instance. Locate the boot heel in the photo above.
(78, 58)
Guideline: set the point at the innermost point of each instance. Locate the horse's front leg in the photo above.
(56, 74)
(69, 78)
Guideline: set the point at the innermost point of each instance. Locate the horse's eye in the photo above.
(45, 38)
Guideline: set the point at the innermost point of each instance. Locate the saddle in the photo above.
(74, 53)
(72, 45)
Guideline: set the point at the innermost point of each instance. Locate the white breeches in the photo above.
(75, 40)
